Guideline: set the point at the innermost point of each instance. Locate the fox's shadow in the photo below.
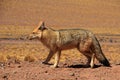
(82, 66)
(76, 65)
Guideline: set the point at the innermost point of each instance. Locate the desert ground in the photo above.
(21, 59)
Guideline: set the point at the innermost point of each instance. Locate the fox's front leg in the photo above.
(51, 53)
(57, 59)
(92, 61)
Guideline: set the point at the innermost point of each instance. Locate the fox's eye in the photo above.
(39, 28)
(42, 28)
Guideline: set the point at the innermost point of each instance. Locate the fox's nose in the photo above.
(33, 32)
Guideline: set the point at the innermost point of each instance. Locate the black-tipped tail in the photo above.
(98, 52)
(105, 62)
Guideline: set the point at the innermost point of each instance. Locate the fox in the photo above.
(65, 39)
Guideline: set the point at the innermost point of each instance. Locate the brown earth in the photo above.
(58, 14)
(38, 71)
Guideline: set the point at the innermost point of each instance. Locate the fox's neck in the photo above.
(46, 34)
(48, 37)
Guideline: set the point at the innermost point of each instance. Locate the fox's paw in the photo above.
(44, 62)
(54, 66)
(92, 66)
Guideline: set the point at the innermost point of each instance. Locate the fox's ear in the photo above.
(43, 23)
(42, 27)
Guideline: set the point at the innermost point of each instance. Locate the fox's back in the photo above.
(71, 37)
(74, 33)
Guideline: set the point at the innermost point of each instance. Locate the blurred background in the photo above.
(58, 13)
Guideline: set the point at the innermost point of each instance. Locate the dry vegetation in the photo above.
(11, 31)
(26, 50)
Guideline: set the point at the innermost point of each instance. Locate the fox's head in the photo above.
(37, 32)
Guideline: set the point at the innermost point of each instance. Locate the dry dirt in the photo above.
(88, 14)
(38, 71)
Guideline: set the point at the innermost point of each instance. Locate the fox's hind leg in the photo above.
(90, 59)
(85, 48)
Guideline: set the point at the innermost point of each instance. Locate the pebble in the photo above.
(46, 71)
(72, 74)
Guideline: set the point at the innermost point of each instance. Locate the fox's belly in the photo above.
(68, 45)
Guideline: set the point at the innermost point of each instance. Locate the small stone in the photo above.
(46, 71)
(72, 74)
(118, 63)
(14, 72)
(19, 66)
(5, 76)
(111, 40)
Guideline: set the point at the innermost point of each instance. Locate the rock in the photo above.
(5, 76)
(72, 74)
(111, 40)
(19, 66)
(46, 71)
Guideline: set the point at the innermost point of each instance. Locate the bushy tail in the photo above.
(98, 52)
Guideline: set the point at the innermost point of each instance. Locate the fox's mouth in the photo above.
(31, 37)
(34, 36)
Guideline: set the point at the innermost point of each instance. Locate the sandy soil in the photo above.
(38, 71)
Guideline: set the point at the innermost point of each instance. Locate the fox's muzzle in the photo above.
(34, 36)
(30, 37)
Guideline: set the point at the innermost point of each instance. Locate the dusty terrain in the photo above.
(21, 59)
(38, 71)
